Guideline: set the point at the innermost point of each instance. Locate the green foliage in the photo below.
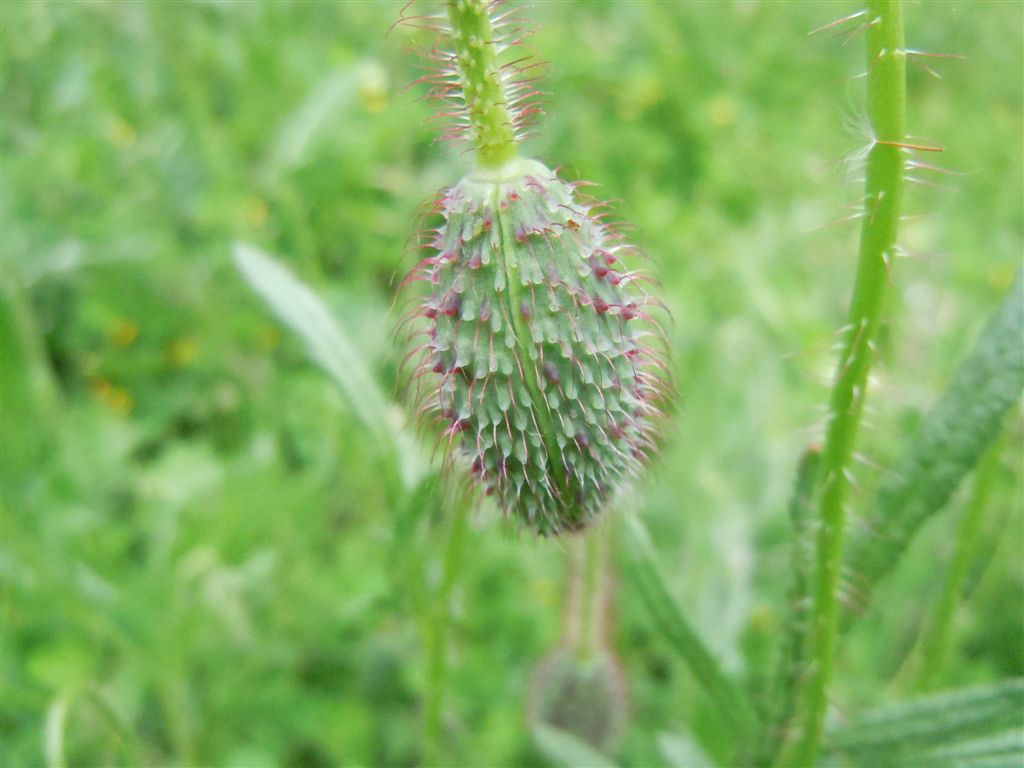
(949, 441)
(300, 309)
(733, 707)
(201, 529)
(981, 726)
(564, 750)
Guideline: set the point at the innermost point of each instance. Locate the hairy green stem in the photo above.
(886, 85)
(490, 122)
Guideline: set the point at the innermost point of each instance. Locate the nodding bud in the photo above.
(532, 334)
(545, 374)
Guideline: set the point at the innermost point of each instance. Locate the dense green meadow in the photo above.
(206, 556)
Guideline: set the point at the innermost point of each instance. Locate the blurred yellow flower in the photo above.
(182, 351)
(123, 333)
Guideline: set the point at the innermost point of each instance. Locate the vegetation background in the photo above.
(195, 526)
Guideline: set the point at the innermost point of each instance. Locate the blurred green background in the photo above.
(195, 525)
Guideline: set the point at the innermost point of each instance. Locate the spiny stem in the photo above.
(491, 126)
(886, 83)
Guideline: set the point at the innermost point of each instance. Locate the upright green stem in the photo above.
(886, 83)
(490, 122)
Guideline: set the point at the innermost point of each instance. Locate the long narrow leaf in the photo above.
(951, 440)
(642, 570)
(966, 727)
(298, 307)
(564, 750)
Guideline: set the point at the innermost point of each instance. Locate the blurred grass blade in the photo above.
(996, 751)
(680, 750)
(298, 307)
(58, 715)
(30, 397)
(974, 726)
(951, 440)
(53, 731)
(565, 750)
(300, 129)
(733, 705)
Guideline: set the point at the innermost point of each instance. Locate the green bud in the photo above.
(585, 697)
(536, 363)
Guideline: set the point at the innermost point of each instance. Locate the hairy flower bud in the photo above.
(535, 361)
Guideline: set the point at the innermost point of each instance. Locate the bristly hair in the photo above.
(519, 74)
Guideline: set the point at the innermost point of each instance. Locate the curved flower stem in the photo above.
(490, 123)
(886, 83)
(594, 604)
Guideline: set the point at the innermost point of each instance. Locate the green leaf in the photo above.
(643, 572)
(969, 727)
(951, 440)
(996, 751)
(330, 346)
(565, 750)
(59, 716)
